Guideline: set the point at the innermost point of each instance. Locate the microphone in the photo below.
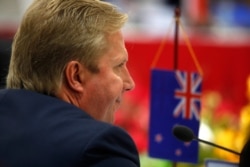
(185, 134)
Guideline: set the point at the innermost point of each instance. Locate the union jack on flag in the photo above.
(189, 95)
(175, 99)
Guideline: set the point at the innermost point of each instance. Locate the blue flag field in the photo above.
(175, 99)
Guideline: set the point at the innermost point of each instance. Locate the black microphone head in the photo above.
(183, 133)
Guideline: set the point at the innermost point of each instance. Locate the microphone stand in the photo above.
(215, 145)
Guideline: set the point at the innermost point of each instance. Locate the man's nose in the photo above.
(129, 83)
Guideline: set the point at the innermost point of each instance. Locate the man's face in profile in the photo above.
(103, 91)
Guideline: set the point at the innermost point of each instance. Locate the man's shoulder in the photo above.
(109, 144)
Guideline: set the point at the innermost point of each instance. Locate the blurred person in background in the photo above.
(5, 51)
(244, 155)
(66, 78)
(245, 129)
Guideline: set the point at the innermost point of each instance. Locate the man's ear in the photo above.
(74, 75)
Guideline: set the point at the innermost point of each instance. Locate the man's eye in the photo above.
(120, 65)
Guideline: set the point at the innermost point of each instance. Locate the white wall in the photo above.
(11, 11)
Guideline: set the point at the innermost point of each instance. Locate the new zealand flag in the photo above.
(175, 99)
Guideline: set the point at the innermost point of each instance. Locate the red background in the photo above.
(225, 66)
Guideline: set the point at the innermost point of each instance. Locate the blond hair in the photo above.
(54, 32)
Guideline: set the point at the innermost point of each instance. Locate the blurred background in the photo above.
(219, 33)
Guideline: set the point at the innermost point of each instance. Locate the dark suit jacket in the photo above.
(42, 131)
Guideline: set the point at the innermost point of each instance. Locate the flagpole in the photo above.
(176, 37)
(176, 46)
